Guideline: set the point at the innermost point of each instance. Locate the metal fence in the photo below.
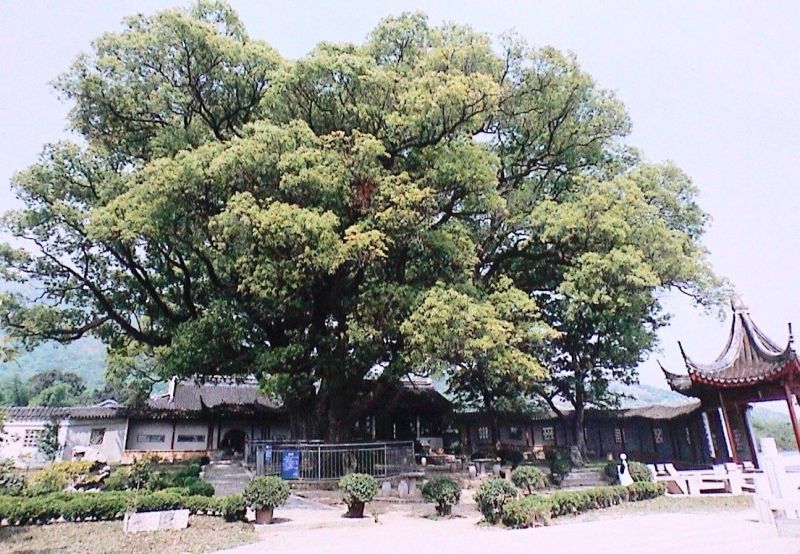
(322, 462)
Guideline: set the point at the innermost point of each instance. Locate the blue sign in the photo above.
(290, 463)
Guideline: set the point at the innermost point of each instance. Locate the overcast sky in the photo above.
(713, 86)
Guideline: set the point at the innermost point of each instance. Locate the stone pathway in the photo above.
(227, 477)
(658, 533)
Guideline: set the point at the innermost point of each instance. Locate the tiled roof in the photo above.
(194, 396)
(103, 410)
(749, 357)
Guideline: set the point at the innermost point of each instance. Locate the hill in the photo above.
(86, 357)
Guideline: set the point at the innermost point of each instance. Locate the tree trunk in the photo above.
(578, 420)
(494, 425)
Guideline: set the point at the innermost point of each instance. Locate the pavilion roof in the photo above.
(749, 358)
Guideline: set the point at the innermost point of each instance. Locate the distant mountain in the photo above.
(85, 357)
(636, 396)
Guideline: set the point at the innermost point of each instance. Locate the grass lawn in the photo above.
(204, 534)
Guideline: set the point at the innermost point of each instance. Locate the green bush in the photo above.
(11, 482)
(156, 501)
(444, 491)
(559, 465)
(527, 511)
(78, 506)
(610, 472)
(233, 507)
(532, 511)
(196, 486)
(204, 505)
(118, 480)
(358, 487)
(140, 473)
(266, 492)
(640, 473)
(528, 478)
(492, 495)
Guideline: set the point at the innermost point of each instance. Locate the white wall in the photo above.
(13, 446)
(78, 434)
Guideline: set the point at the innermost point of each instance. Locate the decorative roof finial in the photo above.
(791, 335)
(737, 304)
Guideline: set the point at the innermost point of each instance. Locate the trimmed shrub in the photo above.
(528, 478)
(57, 476)
(204, 505)
(77, 506)
(233, 507)
(527, 511)
(266, 492)
(11, 482)
(492, 495)
(444, 491)
(640, 473)
(156, 501)
(610, 473)
(559, 465)
(358, 487)
(531, 511)
(196, 486)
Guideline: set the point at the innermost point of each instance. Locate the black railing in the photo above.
(308, 461)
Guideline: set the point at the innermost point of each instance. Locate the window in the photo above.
(658, 435)
(483, 433)
(515, 433)
(619, 435)
(548, 433)
(191, 438)
(150, 438)
(32, 437)
(96, 437)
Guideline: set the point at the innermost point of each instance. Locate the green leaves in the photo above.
(419, 201)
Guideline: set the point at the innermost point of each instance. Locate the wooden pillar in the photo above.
(748, 429)
(792, 414)
(728, 429)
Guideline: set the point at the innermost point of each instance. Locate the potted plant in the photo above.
(444, 491)
(264, 494)
(358, 489)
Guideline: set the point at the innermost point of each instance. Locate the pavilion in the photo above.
(751, 368)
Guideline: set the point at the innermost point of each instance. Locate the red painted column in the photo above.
(792, 414)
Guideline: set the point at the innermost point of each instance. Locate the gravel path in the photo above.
(659, 533)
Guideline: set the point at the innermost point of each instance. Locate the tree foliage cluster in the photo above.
(422, 200)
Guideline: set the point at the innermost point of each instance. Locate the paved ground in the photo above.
(301, 531)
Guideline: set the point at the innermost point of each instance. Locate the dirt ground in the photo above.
(721, 532)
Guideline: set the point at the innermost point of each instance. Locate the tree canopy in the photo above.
(227, 211)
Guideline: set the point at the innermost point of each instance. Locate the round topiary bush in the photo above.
(492, 495)
(444, 491)
(358, 489)
(264, 494)
(528, 478)
(640, 473)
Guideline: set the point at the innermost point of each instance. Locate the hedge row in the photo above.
(113, 505)
(533, 510)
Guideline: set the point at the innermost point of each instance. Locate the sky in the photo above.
(712, 86)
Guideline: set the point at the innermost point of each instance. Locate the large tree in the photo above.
(229, 212)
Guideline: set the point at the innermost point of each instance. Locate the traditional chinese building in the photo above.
(751, 368)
